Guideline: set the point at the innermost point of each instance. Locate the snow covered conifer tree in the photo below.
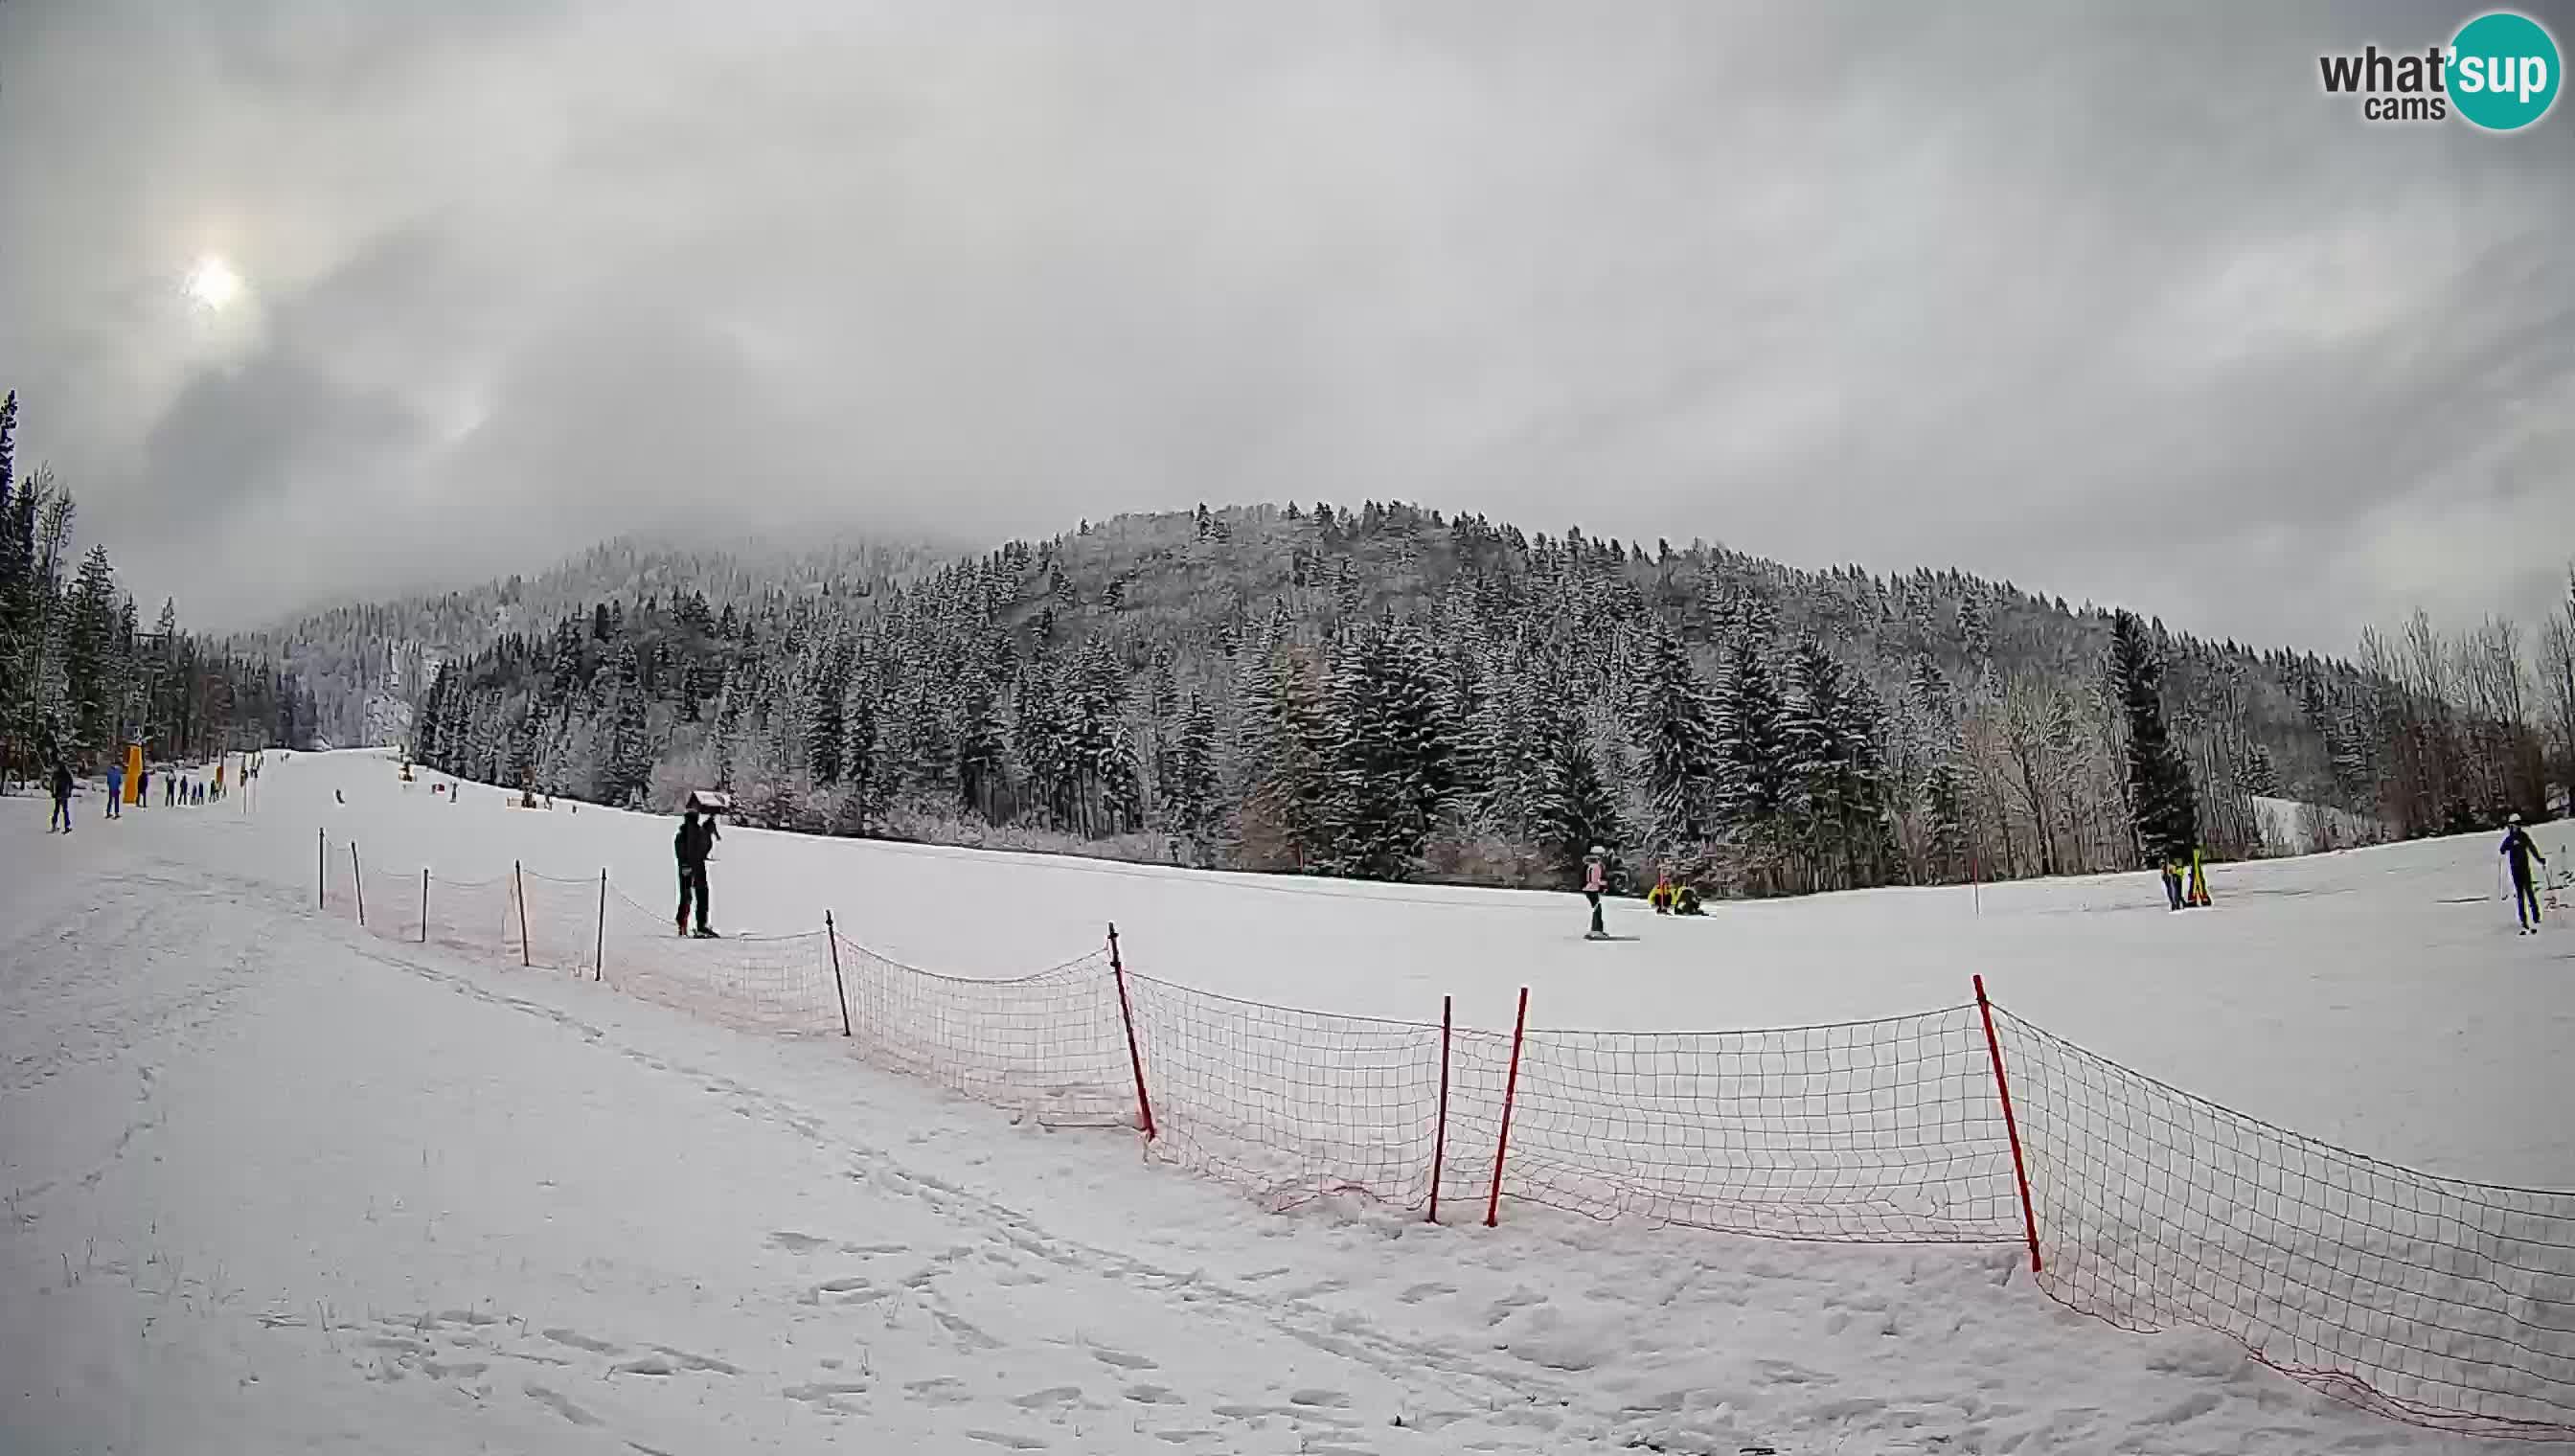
(1673, 722)
(628, 770)
(1572, 807)
(1389, 760)
(2167, 814)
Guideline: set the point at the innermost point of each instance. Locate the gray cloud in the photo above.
(2112, 302)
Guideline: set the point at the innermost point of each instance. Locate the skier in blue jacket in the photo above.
(2519, 851)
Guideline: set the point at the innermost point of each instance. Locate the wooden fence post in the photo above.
(1135, 1054)
(2011, 1125)
(831, 938)
(519, 882)
(358, 881)
(424, 904)
(598, 953)
(1511, 1093)
(1439, 1140)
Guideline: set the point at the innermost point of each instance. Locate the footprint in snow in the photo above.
(1322, 1399)
(580, 1341)
(824, 1391)
(797, 1243)
(1051, 1395)
(560, 1406)
(1006, 1441)
(708, 1363)
(1125, 1361)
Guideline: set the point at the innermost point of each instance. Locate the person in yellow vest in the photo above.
(1686, 901)
(1662, 896)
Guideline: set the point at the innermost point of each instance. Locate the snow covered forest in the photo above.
(1390, 693)
(78, 673)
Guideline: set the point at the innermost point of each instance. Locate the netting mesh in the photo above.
(1879, 1131)
(2435, 1301)
(769, 983)
(393, 904)
(554, 924)
(477, 915)
(1294, 1104)
(1049, 1044)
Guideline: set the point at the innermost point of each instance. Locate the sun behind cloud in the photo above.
(213, 285)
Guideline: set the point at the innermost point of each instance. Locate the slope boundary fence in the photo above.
(2438, 1302)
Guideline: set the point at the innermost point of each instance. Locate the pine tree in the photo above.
(1192, 789)
(88, 655)
(1285, 802)
(628, 769)
(2167, 817)
(825, 730)
(1753, 781)
(1673, 722)
(425, 745)
(983, 745)
(1389, 762)
(862, 771)
(1571, 809)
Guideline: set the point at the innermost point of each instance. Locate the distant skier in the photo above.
(2172, 875)
(62, 817)
(1595, 883)
(2519, 851)
(115, 791)
(696, 839)
(143, 787)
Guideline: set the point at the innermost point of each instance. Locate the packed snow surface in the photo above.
(271, 1184)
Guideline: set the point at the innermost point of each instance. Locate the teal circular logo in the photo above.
(2503, 70)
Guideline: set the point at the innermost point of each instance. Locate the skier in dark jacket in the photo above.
(2519, 851)
(696, 839)
(1595, 883)
(62, 819)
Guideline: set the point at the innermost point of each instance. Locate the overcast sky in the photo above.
(2114, 304)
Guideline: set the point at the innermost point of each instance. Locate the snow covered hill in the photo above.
(272, 1182)
(2293, 828)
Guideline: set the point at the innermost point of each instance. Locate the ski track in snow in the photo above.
(270, 1186)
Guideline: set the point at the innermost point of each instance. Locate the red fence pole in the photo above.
(424, 904)
(1135, 1054)
(831, 938)
(1511, 1091)
(358, 881)
(519, 882)
(2012, 1126)
(598, 953)
(1440, 1139)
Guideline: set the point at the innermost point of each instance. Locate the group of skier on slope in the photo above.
(175, 791)
(2181, 887)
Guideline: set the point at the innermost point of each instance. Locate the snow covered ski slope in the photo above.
(273, 1181)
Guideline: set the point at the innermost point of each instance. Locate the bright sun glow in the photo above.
(213, 284)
